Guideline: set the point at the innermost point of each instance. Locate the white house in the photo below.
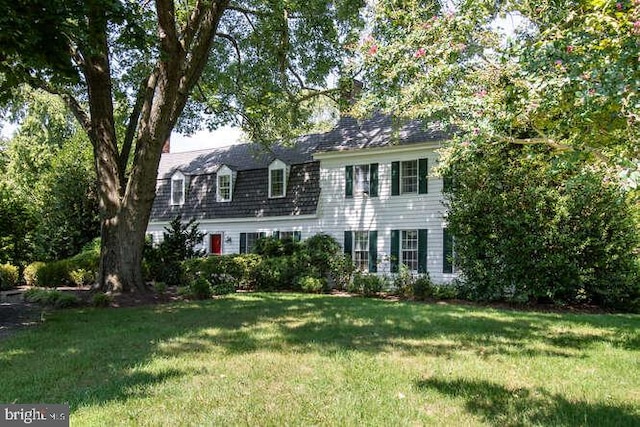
(367, 183)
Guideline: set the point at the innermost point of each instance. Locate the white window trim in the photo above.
(224, 171)
(416, 178)
(178, 176)
(362, 187)
(403, 249)
(278, 165)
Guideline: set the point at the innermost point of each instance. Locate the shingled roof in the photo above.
(250, 162)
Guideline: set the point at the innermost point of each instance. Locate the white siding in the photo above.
(384, 213)
(337, 214)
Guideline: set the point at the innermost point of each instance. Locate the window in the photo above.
(362, 247)
(224, 188)
(293, 235)
(276, 183)
(225, 184)
(177, 189)
(409, 249)
(248, 241)
(277, 179)
(361, 180)
(361, 250)
(409, 177)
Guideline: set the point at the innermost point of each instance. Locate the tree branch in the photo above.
(132, 126)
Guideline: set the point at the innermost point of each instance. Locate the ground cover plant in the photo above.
(292, 359)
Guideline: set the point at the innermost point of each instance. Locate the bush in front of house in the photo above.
(200, 288)
(366, 284)
(8, 276)
(51, 298)
(238, 270)
(423, 288)
(164, 262)
(54, 274)
(310, 284)
(30, 273)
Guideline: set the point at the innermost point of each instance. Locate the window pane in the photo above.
(252, 238)
(277, 182)
(361, 250)
(410, 249)
(224, 187)
(177, 191)
(409, 177)
(361, 179)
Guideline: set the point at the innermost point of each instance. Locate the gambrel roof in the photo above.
(250, 163)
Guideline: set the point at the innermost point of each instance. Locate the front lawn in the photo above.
(289, 359)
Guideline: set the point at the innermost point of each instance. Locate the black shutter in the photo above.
(447, 251)
(276, 234)
(297, 236)
(395, 250)
(395, 178)
(423, 171)
(348, 243)
(243, 243)
(422, 251)
(373, 180)
(373, 251)
(348, 178)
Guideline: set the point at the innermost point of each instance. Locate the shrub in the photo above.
(165, 262)
(8, 276)
(541, 227)
(445, 291)
(311, 284)
(200, 288)
(278, 273)
(367, 284)
(51, 298)
(342, 270)
(160, 287)
(423, 288)
(30, 273)
(54, 274)
(81, 277)
(101, 300)
(403, 282)
(236, 269)
(224, 288)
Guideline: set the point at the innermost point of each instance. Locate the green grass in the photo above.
(288, 359)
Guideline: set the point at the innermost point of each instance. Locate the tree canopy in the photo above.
(565, 74)
(132, 71)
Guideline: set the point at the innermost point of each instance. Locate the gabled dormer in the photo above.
(178, 185)
(225, 178)
(278, 176)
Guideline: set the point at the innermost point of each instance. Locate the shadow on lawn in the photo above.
(328, 325)
(499, 405)
(104, 350)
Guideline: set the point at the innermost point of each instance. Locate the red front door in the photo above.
(216, 244)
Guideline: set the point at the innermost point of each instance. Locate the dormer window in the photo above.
(177, 188)
(225, 184)
(277, 179)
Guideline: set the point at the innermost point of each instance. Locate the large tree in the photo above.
(533, 71)
(139, 63)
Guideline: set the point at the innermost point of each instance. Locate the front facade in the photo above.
(366, 183)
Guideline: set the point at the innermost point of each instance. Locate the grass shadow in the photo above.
(502, 406)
